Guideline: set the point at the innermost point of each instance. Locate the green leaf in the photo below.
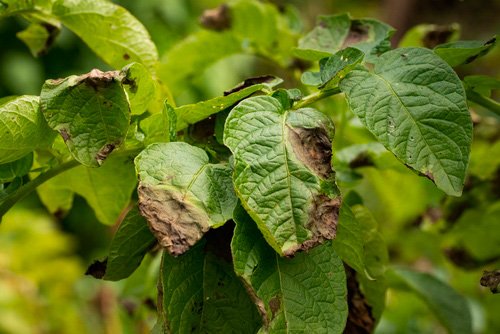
(39, 37)
(450, 307)
(414, 103)
(9, 171)
(304, 294)
(132, 241)
(109, 30)
(430, 35)
(192, 113)
(283, 173)
(201, 294)
(91, 112)
(481, 84)
(334, 68)
(181, 194)
(349, 243)
(107, 189)
(22, 128)
(140, 87)
(13, 7)
(336, 32)
(464, 52)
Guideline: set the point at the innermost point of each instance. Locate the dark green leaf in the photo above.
(349, 243)
(283, 173)
(415, 105)
(304, 294)
(464, 52)
(9, 171)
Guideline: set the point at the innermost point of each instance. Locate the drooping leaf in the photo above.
(304, 294)
(140, 87)
(450, 307)
(109, 30)
(201, 294)
(107, 189)
(181, 194)
(430, 35)
(132, 241)
(336, 32)
(283, 173)
(414, 103)
(91, 112)
(192, 113)
(22, 128)
(464, 52)
(39, 37)
(10, 170)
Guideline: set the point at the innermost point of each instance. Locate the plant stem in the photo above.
(314, 97)
(484, 101)
(26, 189)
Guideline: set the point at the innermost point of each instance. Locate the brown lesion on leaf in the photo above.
(250, 82)
(97, 269)
(358, 33)
(313, 148)
(360, 319)
(176, 223)
(491, 279)
(218, 19)
(52, 31)
(439, 35)
(104, 152)
(275, 305)
(65, 134)
(98, 80)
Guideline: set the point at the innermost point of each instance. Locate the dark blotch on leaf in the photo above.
(98, 79)
(250, 82)
(104, 152)
(65, 135)
(491, 279)
(126, 56)
(217, 19)
(53, 32)
(97, 269)
(274, 305)
(360, 319)
(357, 33)
(439, 35)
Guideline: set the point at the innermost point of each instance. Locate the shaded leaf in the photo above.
(181, 194)
(39, 37)
(414, 103)
(91, 112)
(464, 52)
(10, 170)
(283, 173)
(304, 294)
(22, 128)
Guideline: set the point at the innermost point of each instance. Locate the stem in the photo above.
(314, 97)
(26, 189)
(484, 101)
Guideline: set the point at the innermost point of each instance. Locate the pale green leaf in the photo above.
(39, 37)
(464, 52)
(22, 128)
(430, 35)
(13, 7)
(283, 173)
(9, 171)
(305, 294)
(109, 30)
(91, 112)
(181, 194)
(415, 105)
(140, 87)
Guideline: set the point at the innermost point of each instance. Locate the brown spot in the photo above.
(104, 152)
(131, 82)
(98, 79)
(313, 148)
(126, 56)
(53, 32)
(481, 53)
(462, 258)
(97, 269)
(491, 279)
(357, 33)
(65, 135)
(360, 319)
(176, 223)
(361, 160)
(429, 175)
(250, 82)
(438, 35)
(217, 19)
(274, 305)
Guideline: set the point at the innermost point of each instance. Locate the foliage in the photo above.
(259, 202)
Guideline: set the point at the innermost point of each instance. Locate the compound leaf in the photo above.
(414, 103)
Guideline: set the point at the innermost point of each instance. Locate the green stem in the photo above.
(314, 97)
(484, 101)
(26, 189)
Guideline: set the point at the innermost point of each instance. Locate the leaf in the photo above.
(430, 35)
(336, 32)
(10, 170)
(181, 194)
(304, 294)
(22, 128)
(283, 173)
(334, 68)
(491, 279)
(91, 112)
(140, 87)
(13, 7)
(39, 37)
(450, 307)
(414, 103)
(464, 52)
(132, 241)
(109, 30)
(481, 84)
(107, 189)
(192, 113)
(201, 294)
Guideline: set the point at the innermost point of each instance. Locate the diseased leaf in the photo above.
(9, 171)
(336, 32)
(450, 307)
(282, 172)
(109, 30)
(414, 103)
(22, 128)
(91, 112)
(140, 87)
(360, 318)
(430, 35)
(464, 52)
(304, 294)
(181, 194)
(132, 241)
(192, 113)
(39, 37)
(201, 294)
(491, 279)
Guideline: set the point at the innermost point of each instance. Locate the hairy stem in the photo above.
(314, 97)
(484, 101)
(26, 189)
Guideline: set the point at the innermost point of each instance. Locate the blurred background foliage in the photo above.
(43, 257)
